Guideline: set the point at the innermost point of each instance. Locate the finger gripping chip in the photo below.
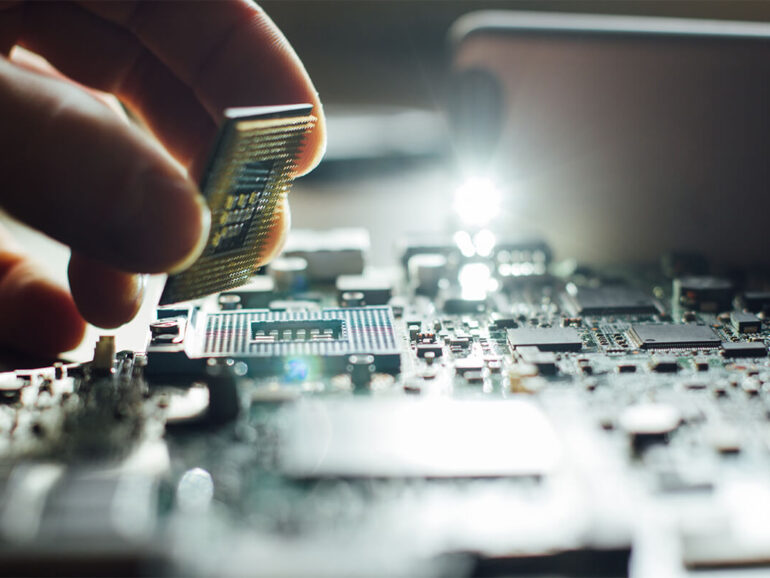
(245, 182)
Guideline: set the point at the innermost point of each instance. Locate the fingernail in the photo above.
(141, 284)
(134, 301)
(205, 228)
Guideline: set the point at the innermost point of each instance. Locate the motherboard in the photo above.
(477, 409)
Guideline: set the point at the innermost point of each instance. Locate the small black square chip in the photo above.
(614, 300)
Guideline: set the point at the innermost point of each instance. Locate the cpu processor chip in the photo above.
(247, 177)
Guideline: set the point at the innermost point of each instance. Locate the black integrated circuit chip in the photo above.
(739, 349)
(757, 300)
(665, 365)
(374, 290)
(704, 293)
(745, 322)
(546, 338)
(673, 336)
(613, 300)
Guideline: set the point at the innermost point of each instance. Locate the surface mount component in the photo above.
(745, 322)
(329, 253)
(374, 290)
(613, 300)
(673, 336)
(545, 362)
(757, 300)
(546, 338)
(247, 177)
(751, 349)
(703, 293)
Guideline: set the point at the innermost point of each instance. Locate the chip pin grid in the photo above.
(247, 177)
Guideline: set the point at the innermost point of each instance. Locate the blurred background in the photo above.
(394, 52)
(383, 70)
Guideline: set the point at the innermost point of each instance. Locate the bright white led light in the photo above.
(474, 280)
(464, 242)
(484, 241)
(477, 201)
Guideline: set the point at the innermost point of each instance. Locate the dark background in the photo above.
(395, 51)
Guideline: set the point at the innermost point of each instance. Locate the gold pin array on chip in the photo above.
(248, 175)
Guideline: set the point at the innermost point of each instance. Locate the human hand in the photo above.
(117, 195)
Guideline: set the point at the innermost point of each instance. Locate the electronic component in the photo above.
(375, 290)
(257, 293)
(545, 362)
(329, 253)
(517, 259)
(428, 244)
(673, 336)
(703, 293)
(725, 440)
(522, 260)
(613, 300)
(429, 349)
(739, 349)
(681, 263)
(719, 547)
(665, 365)
(757, 301)
(247, 177)
(10, 388)
(229, 302)
(104, 354)
(701, 364)
(427, 271)
(500, 322)
(281, 342)
(457, 304)
(603, 560)
(649, 423)
(463, 366)
(352, 299)
(546, 338)
(289, 274)
(745, 322)
(361, 368)
(474, 377)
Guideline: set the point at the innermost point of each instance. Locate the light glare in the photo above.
(477, 201)
(464, 242)
(484, 241)
(474, 280)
